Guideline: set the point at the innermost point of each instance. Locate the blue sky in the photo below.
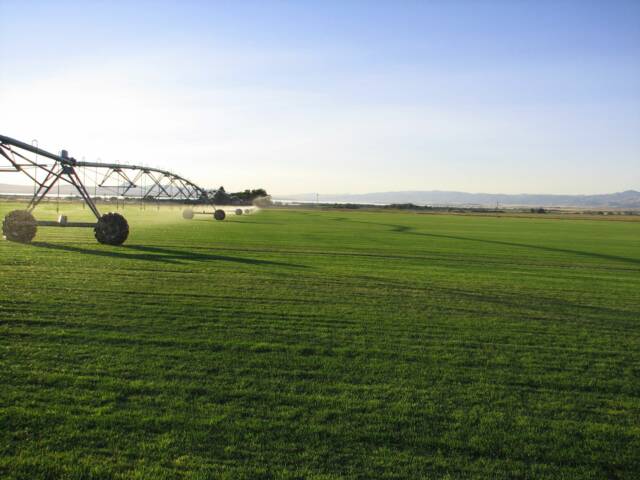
(334, 97)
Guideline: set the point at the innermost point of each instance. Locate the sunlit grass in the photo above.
(309, 344)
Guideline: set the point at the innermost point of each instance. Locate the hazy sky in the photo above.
(334, 97)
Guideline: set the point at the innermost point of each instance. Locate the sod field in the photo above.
(320, 345)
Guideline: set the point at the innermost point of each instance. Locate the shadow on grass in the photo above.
(239, 222)
(162, 255)
(410, 231)
(246, 220)
(581, 253)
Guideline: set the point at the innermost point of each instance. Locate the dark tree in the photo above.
(221, 197)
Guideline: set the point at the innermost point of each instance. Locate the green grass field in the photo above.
(310, 344)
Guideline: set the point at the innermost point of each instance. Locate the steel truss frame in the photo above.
(163, 185)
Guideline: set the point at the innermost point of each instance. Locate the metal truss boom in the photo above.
(131, 180)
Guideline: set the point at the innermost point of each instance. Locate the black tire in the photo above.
(112, 229)
(238, 211)
(187, 214)
(219, 215)
(19, 226)
(247, 211)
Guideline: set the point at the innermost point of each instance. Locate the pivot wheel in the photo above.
(112, 229)
(238, 211)
(219, 215)
(187, 214)
(19, 226)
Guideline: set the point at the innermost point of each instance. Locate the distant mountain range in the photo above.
(627, 199)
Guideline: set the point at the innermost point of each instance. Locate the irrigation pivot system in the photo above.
(47, 170)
